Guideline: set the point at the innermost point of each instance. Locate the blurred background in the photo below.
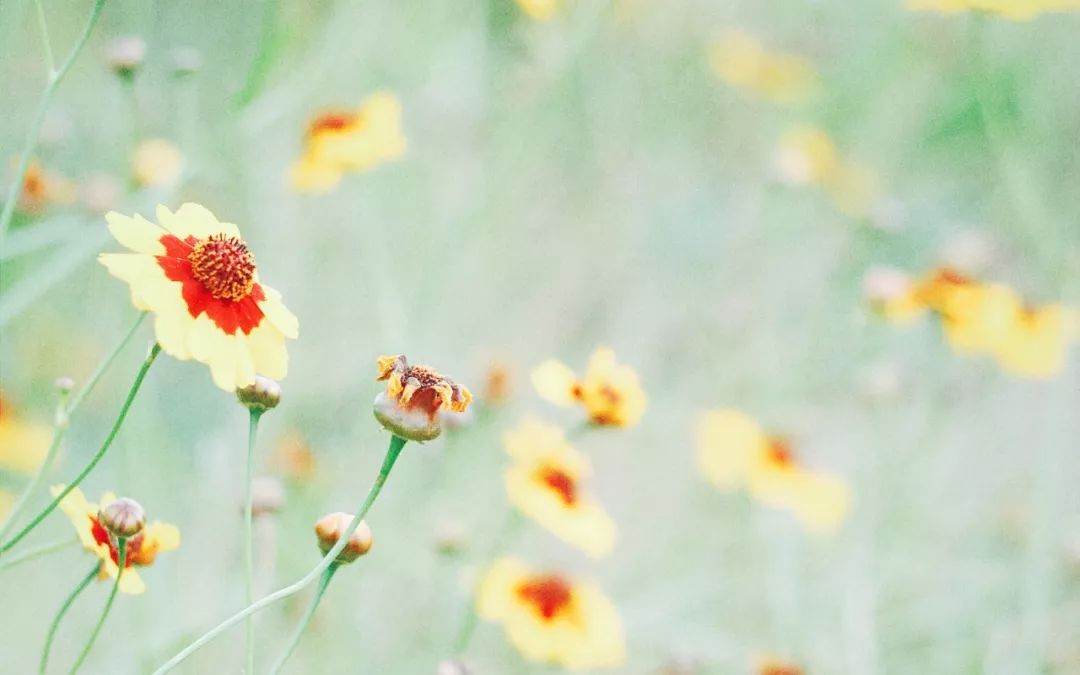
(603, 175)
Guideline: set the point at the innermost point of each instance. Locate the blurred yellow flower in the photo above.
(156, 162)
(610, 393)
(1036, 344)
(807, 155)
(551, 619)
(199, 279)
(541, 10)
(23, 445)
(142, 549)
(546, 484)
(733, 451)
(342, 141)
(740, 60)
(1016, 10)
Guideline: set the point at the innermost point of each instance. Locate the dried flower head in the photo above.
(413, 398)
(329, 529)
(123, 517)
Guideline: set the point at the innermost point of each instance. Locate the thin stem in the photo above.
(44, 662)
(249, 584)
(121, 560)
(49, 60)
(64, 411)
(324, 581)
(498, 544)
(43, 550)
(97, 457)
(39, 119)
(392, 452)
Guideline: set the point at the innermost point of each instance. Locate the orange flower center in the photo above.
(780, 669)
(559, 481)
(334, 121)
(134, 545)
(549, 595)
(223, 265)
(780, 453)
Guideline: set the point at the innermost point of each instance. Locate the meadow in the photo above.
(749, 326)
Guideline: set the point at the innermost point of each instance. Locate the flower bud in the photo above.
(410, 423)
(123, 517)
(125, 55)
(64, 385)
(261, 395)
(329, 529)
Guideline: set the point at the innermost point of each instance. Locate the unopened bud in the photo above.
(332, 526)
(261, 395)
(125, 55)
(64, 385)
(123, 517)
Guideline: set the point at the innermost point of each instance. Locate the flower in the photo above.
(413, 398)
(328, 531)
(200, 280)
(550, 618)
(1036, 344)
(1016, 10)
(734, 451)
(740, 60)
(342, 141)
(540, 10)
(41, 187)
(23, 445)
(546, 484)
(142, 549)
(610, 393)
(156, 162)
(807, 155)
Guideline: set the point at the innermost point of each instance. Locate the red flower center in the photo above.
(224, 265)
(548, 594)
(101, 536)
(780, 453)
(561, 482)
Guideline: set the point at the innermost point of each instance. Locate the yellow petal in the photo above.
(268, 353)
(555, 382)
(727, 443)
(194, 220)
(279, 315)
(136, 233)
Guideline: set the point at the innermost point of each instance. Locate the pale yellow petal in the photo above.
(727, 443)
(268, 353)
(555, 382)
(194, 220)
(278, 314)
(136, 233)
(167, 536)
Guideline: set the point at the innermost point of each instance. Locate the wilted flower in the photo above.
(343, 141)
(740, 60)
(540, 10)
(414, 397)
(332, 526)
(734, 451)
(156, 163)
(200, 280)
(141, 550)
(610, 393)
(550, 618)
(546, 483)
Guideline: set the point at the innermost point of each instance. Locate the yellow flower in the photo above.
(1016, 10)
(806, 156)
(551, 619)
(977, 318)
(1037, 342)
(23, 445)
(546, 484)
(733, 451)
(540, 10)
(142, 549)
(200, 280)
(414, 397)
(156, 163)
(610, 393)
(342, 141)
(739, 59)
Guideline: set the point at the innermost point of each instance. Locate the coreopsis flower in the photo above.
(339, 142)
(200, 280)
(550, 618)
(734, 451)
(610, 393)
(1015, 10)
(141, 549)
(156, 162)
(414, 397)
(540, 10)
(23, 445)
(740, 60)
(547, 484)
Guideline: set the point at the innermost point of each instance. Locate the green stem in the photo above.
(268, 48)
(96, 458)
(63, 415)
(501, 541)
(43, 550)
(49, 59)
(396, 444)
(39, 118)
(324, 581)
(44, 662)
(249, 584)
(121, 560)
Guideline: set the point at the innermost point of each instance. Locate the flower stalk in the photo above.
(43, 664)
(121, 545)
(324, 581)
(249, 584)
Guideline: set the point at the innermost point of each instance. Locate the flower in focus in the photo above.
(1016, 10)
(339, 142)
(546, 484)
(23, 445)
(142, 549)
(807, 156)
(552, 619)
(43, 187)
(740, 60)
(733, 451)
(200, 280)
(330, 528)
(414, 397)
(540, 10)
(610, 393)
(156, 162)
